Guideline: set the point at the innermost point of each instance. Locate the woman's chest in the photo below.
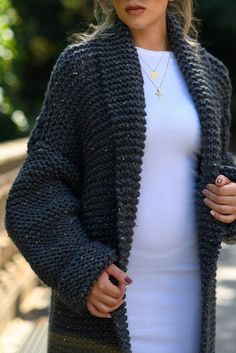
(172, 121)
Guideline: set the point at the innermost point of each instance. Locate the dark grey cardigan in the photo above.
(71, 210)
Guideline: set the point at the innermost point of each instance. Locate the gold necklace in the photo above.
(154, 73)
(159, 93)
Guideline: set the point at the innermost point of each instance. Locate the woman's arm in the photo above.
(43, 205)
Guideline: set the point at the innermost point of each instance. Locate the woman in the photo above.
(134, 132)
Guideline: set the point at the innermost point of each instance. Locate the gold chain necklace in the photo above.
(159, 93)
(154, 73)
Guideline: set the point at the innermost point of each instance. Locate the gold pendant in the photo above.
(154, 75)
(159, 93)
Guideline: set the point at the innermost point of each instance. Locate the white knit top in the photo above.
(164, 300)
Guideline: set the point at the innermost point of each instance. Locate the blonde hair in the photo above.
(104, 13)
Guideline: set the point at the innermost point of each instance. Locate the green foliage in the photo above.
(10, 126)
(32, 34)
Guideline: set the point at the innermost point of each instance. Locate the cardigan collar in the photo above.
(121, 69)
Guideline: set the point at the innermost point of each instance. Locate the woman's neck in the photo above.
(152, 37)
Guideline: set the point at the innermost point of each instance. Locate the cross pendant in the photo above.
(159, 93)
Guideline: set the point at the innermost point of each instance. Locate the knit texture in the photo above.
(71, 209)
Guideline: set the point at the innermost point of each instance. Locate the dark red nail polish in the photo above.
(128, 280)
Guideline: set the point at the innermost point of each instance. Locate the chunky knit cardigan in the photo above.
(71, 209)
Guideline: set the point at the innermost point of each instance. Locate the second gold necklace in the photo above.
(158, 93)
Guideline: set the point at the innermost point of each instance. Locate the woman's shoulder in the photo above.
(87, 50)
(74, 54)
(219, 72)
(72, 63)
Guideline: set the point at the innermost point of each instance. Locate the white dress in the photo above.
(164, 299)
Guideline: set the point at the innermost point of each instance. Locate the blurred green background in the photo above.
(32, 34)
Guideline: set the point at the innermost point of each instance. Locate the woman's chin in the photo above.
(135, 23)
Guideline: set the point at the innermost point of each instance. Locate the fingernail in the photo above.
(128, 280)
(212, 213)
(108, 316)
(219, 181)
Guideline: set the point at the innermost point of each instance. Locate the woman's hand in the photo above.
(105, 296)
(221, 198)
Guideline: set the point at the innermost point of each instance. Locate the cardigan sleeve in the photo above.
(43, 206)
(228, 164)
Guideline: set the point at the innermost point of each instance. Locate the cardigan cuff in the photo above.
(82, 272)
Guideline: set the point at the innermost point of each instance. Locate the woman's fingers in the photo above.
(228, 189)
(223, 218)
(117, 273)
(105, 286)
(220, 199)
(94, 311)
(99, 309)
(108, 300)
(105, 309)
(223, 209)
(106, 296)
(122, 287)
